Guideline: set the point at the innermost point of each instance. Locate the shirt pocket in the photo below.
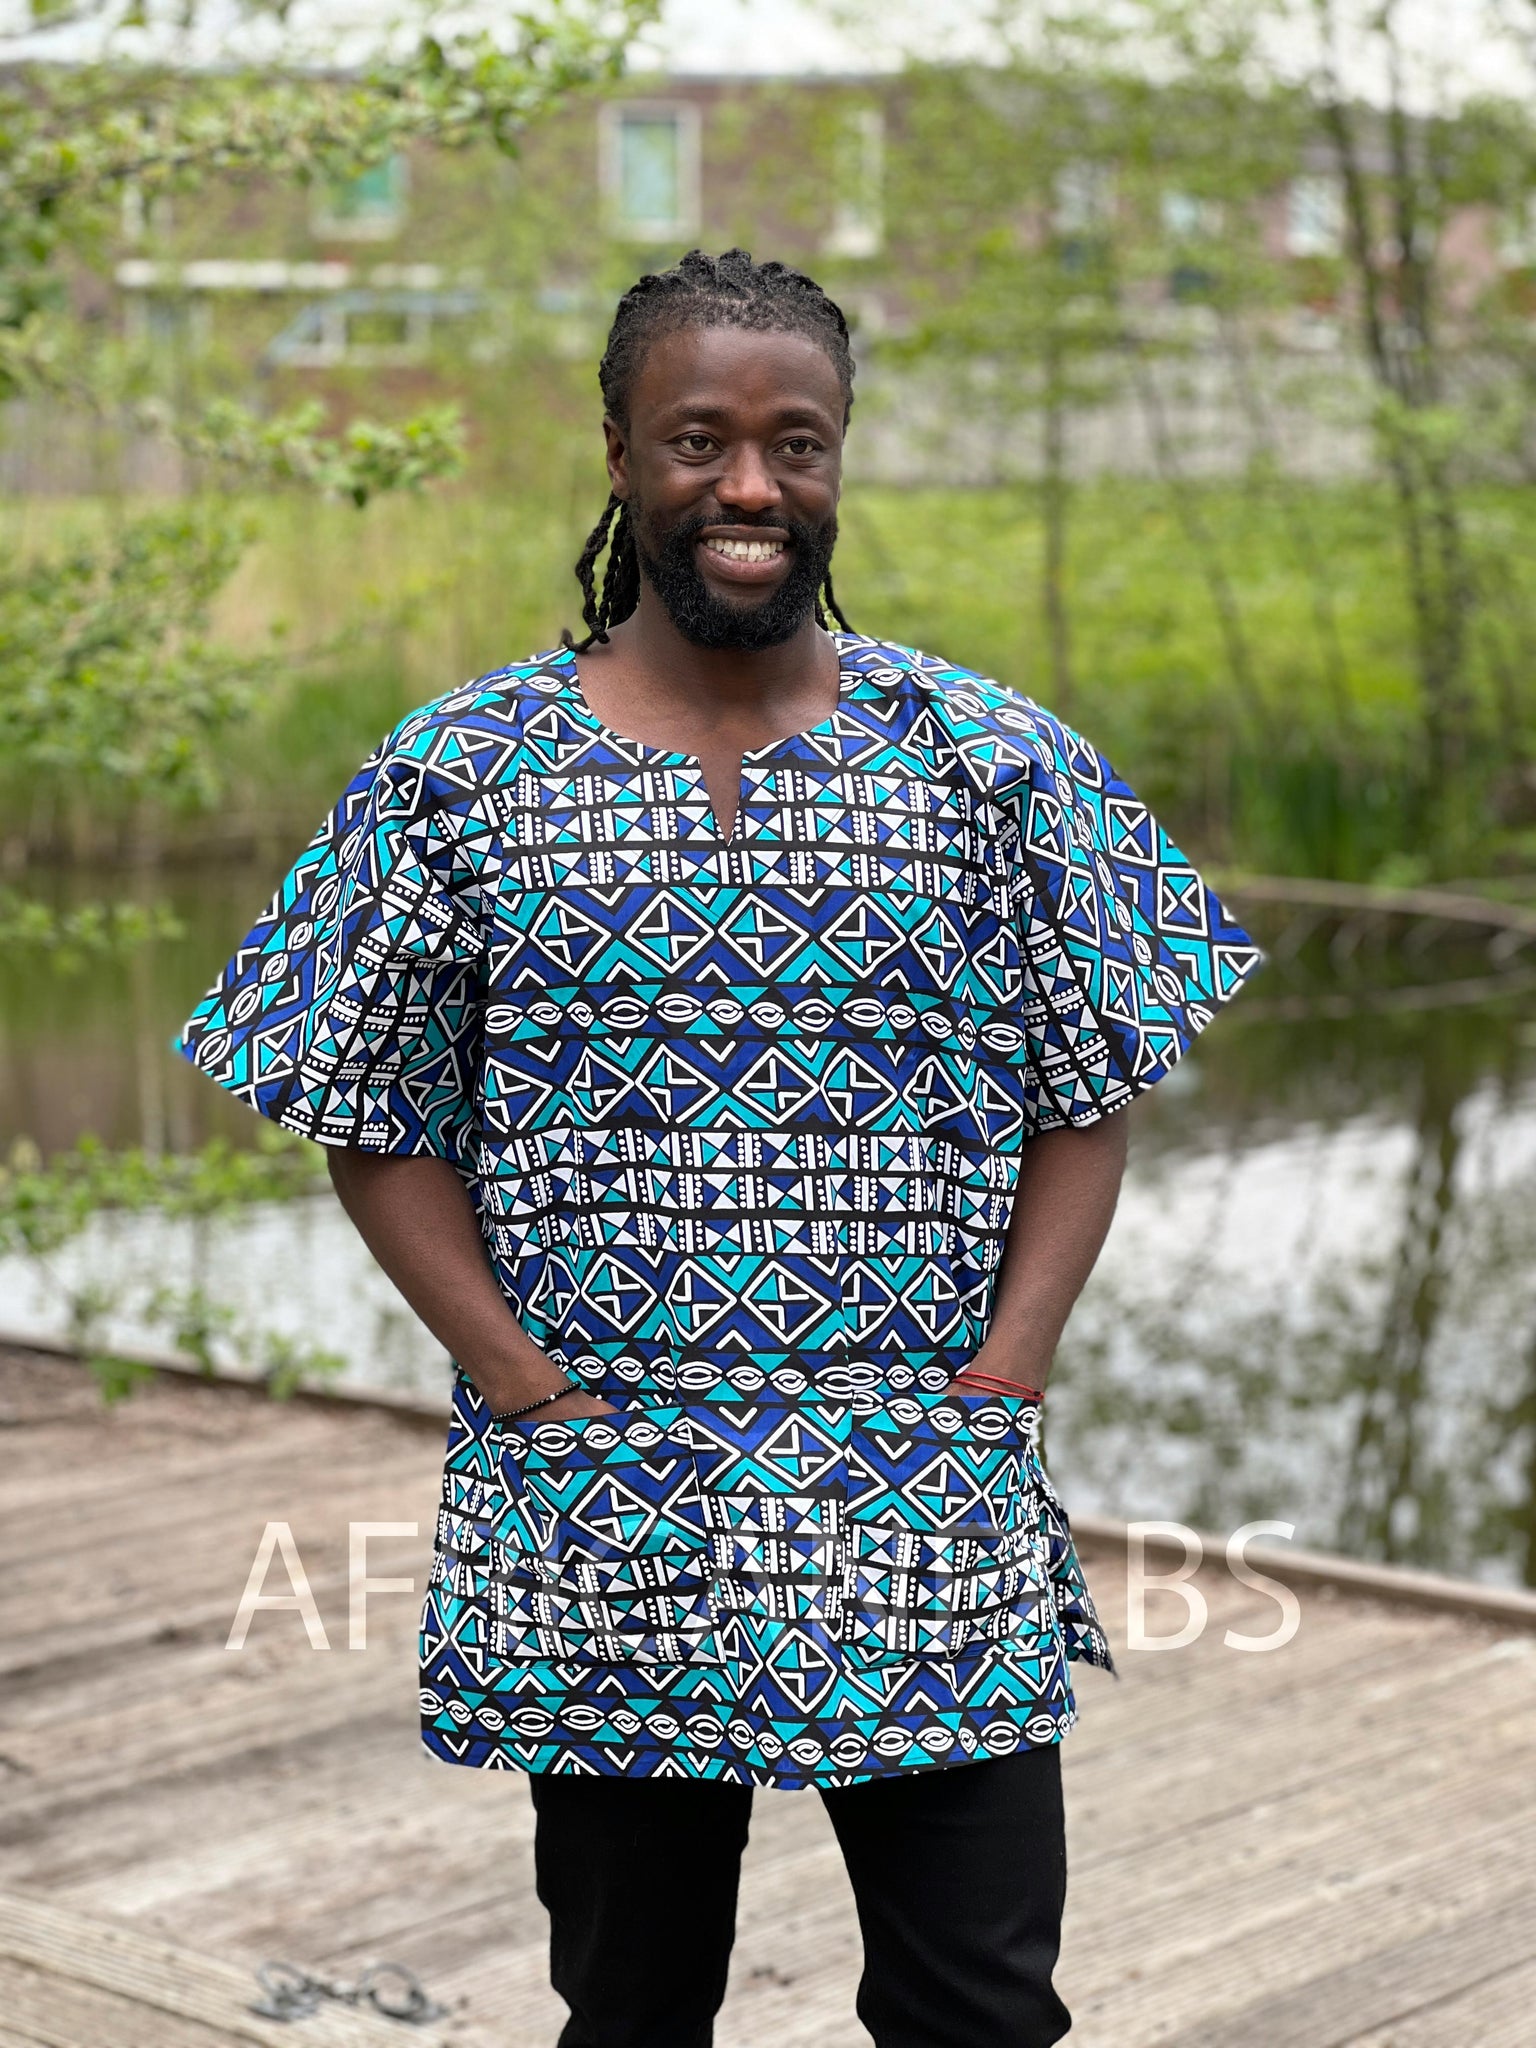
(945, 1553)
(607, 1559)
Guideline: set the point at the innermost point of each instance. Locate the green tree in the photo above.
(110, 676)
(1100, 215)
(108, 672)
(1005, 189)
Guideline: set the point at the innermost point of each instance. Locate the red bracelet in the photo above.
(993, 1383)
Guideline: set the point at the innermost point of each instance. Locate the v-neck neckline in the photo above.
(848, 679)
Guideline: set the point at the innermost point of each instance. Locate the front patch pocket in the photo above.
(945, 1552)
(914, 1593)
(607, 1557)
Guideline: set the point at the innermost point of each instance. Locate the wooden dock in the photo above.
(1329, 1846)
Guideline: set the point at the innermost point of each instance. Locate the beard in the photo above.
(709, 620)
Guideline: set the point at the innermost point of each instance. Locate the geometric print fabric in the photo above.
(742, 1122)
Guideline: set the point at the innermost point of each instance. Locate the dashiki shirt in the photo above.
(742, 1123)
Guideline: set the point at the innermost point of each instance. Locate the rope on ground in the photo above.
(393, 1991)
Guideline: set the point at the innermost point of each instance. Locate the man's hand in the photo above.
(564, 1408)
(1069, 1182)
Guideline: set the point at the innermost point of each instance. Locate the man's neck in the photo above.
(652, 676)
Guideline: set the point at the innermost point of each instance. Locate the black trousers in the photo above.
(959, 1877)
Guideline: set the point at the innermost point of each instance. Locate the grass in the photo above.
(1313, 762)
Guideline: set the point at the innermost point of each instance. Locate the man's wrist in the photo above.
(977, 1382)
(539, 1401)
(1012, 1364)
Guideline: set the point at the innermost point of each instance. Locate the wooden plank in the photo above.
(33, 1483)
(1242, 1829)
(59, 2013)
(113, 1529)
(1498, 2011)
(1316, 1947)
(821, 1975)
(1264, 1719)
(253, 1482)
(216, 1550)
(1269, 1848)
(371, 1818)
(188, 1791)
(1440, 1964)
(210, 1807)
(358, 1868)
(1251, 1885)
(10, 2040)
(195, 1999)
(269, 1719)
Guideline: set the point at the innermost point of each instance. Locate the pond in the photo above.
(1318, 1303)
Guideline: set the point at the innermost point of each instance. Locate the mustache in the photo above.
(762, 522)
(669, 561)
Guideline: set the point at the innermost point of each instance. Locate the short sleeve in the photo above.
(1127, 951)
(350, 1012)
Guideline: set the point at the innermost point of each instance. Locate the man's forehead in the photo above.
(724, 370)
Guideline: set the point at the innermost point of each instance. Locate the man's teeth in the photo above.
(746, 550)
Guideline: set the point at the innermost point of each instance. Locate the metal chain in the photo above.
(292, 1993)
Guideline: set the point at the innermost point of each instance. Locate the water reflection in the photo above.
(1317, 1304)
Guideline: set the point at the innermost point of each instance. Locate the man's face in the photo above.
(731, 467)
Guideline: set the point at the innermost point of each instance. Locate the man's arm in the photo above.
(416, 1217)
(1069, 1182)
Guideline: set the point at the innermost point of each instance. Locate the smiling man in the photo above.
(720, 1023)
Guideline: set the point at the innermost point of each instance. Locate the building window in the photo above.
(167, 326)
(374, 328)
(369, 207)
(1187, 217)
(1314, 217)
(858, 184)
(1517, 234)
(141, 216)
(1084, 199)
(650, 170)
(1190, 224)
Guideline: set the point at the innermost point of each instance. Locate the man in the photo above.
(718, 1022)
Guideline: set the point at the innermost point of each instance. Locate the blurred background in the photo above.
(1195, 348)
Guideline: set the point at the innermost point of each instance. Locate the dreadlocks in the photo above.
(701, 291)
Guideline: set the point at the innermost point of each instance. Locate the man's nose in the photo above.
(746, 483)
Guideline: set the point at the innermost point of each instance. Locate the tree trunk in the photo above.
(1404, 362)
(1053, 501)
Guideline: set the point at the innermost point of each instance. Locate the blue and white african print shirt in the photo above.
(742, 1122)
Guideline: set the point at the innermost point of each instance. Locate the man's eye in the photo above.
(801, 444)
(697, 444)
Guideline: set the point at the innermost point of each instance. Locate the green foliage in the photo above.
(110, 680)
(359, 464)
(1317, 773)
(107, 669)
(46, 1205)
(1095, 207)
(199, 1325)
(87, 933)
(43, 1204)
(72, 140)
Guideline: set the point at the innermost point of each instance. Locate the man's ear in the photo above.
(618, 457)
